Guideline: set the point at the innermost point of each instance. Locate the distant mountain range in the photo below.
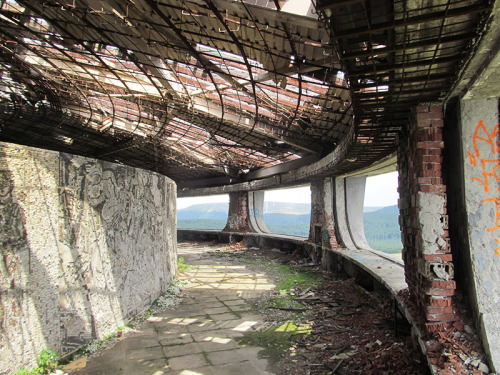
(218, 211)
(204, 211)
(381, 223)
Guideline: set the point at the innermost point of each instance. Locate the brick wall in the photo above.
(423, 217)
(237, 218)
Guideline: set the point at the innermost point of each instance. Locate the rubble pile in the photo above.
(456, 347)
(352, 333)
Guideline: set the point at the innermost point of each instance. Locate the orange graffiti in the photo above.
(490, 167)
(482, 134)
(472, 158)
(488, 138)
(486, 174)
(497, 213)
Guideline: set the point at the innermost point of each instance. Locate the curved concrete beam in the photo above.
(319, 169)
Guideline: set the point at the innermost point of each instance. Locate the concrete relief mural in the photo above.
(85, 246)
(120, 217)
(10, 214)
(13, 246)
(485, 158)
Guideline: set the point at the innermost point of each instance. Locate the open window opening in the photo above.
(381, 213)
(288, 211)
(207, 212)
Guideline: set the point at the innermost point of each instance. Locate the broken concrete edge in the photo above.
(390, 274)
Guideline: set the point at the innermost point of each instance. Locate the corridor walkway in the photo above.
(197, 336)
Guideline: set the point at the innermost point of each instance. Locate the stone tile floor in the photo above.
(197, 336)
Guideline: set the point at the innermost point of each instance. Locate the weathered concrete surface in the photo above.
(198, 336)
(431, 208)
(256, 211)
(322, 168)
(343, 234)
(481, 157)
(480, 75)
(85, 246)
(354, 201)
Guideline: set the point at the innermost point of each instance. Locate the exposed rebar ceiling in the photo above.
(215, 92)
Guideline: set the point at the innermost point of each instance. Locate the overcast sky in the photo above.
(380, 191)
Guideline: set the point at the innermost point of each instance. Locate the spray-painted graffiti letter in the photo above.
(487, 137)
(486, 174)
(472, 158)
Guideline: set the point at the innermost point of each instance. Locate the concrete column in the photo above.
(322, 229)
(237, 218)
(256, 212)
(343, 233)
(426, 252)
(354, 201)
(480, 263)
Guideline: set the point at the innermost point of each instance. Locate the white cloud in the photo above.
(382, 190)
(295, 195)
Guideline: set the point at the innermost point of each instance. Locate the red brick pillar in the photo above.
(322, 228)
(237, 218)
(423, 217)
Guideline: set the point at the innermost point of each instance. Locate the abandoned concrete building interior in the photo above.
(110, 110)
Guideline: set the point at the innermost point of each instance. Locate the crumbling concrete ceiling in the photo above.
(398, 54)
(225, 91)
(192, 89)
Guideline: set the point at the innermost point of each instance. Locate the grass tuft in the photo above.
(182, 266)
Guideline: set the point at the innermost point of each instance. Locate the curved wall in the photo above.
(85, 246)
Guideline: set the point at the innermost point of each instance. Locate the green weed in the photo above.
(46, 361)
(182, 266)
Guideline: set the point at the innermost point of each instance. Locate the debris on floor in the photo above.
(352, 331)
(356, 332)
(456, 347)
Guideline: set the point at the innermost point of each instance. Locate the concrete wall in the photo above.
(85, 246)
(481, 159)
(349, 197)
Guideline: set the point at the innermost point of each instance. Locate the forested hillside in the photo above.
(382, 229)
(381, 225)
(297, 225)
